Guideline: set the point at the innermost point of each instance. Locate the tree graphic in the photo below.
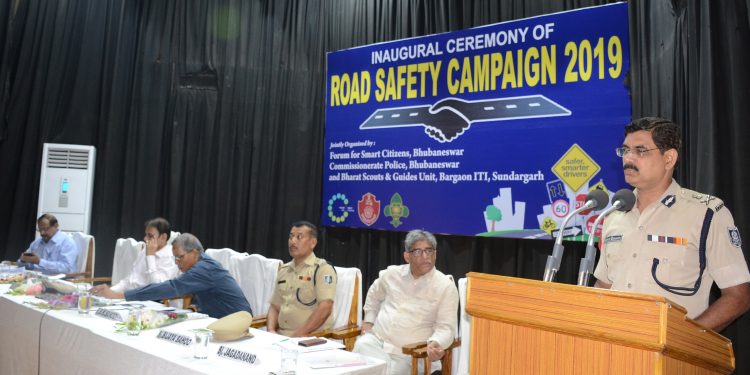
(493, 213)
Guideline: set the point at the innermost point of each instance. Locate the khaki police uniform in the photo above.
(657, 251)
(299, 289)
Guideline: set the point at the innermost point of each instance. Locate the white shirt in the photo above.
(149, 269)
(406, 310)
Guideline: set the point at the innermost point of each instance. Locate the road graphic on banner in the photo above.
(447, 119)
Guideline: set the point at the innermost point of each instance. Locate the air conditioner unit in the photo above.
(66, 187)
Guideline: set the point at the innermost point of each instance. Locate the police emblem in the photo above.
(368, 209)
(328, 279)
(734, 237)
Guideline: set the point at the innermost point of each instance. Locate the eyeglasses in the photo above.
(418, 252)
(179, 257)
(42, 230)
(638, 151)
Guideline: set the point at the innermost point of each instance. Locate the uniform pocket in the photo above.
(678, 265)
(615, 259)
(683, 265)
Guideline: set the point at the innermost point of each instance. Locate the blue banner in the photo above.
(498, 130)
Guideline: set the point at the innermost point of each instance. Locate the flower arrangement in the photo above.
(153, 319)
(24, 289)
(55, 301)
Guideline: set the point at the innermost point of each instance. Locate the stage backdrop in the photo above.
(498, 130)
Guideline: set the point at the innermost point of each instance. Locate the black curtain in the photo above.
(211, 114)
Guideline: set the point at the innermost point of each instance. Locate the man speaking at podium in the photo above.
(675, 242)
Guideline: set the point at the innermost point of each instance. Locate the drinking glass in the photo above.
(133, 324)
(84, 298)
(288, 360)
(200, 347)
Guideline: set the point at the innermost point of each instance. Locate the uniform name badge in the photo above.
(615, 238)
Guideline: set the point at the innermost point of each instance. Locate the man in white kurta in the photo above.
(410, 303)
(153, 264)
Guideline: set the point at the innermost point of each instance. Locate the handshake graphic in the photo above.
(447, 119)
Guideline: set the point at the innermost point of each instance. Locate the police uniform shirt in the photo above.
(669, 231)
(299, 289)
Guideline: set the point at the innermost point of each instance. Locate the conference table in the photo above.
(43, 341)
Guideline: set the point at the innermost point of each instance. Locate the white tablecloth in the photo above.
(71, 343)
(19, 335)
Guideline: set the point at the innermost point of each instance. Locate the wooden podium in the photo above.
(522, 326)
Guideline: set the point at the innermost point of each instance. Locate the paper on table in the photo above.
(195, 315)
(144, 305)
(334, 358)
(294, 344)
(119, 310)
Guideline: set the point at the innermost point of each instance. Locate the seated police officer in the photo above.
(302, 300)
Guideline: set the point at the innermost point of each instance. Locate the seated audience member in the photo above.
(410, 303)
(53, 252)
(305, 287)
(154, 265)
(214, 290)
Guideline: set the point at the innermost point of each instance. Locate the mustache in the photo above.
(629, 166)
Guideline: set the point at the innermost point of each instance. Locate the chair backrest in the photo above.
(461, 353)
(224, 257)
(86, 252)
(347, 306)
(126, 252)
(256, 276)
(172, 236)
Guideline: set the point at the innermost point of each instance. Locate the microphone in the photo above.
(595, 200)
(623, 200)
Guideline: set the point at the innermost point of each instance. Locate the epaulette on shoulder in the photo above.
(322, 262)
(707, 200)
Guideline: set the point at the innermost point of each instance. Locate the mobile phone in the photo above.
(28, 254)
(312, 342)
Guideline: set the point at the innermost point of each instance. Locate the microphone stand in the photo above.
(587, 262)
(553, 261)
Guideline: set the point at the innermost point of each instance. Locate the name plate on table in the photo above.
(175, 338)
(236, 354)
(116, 315)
